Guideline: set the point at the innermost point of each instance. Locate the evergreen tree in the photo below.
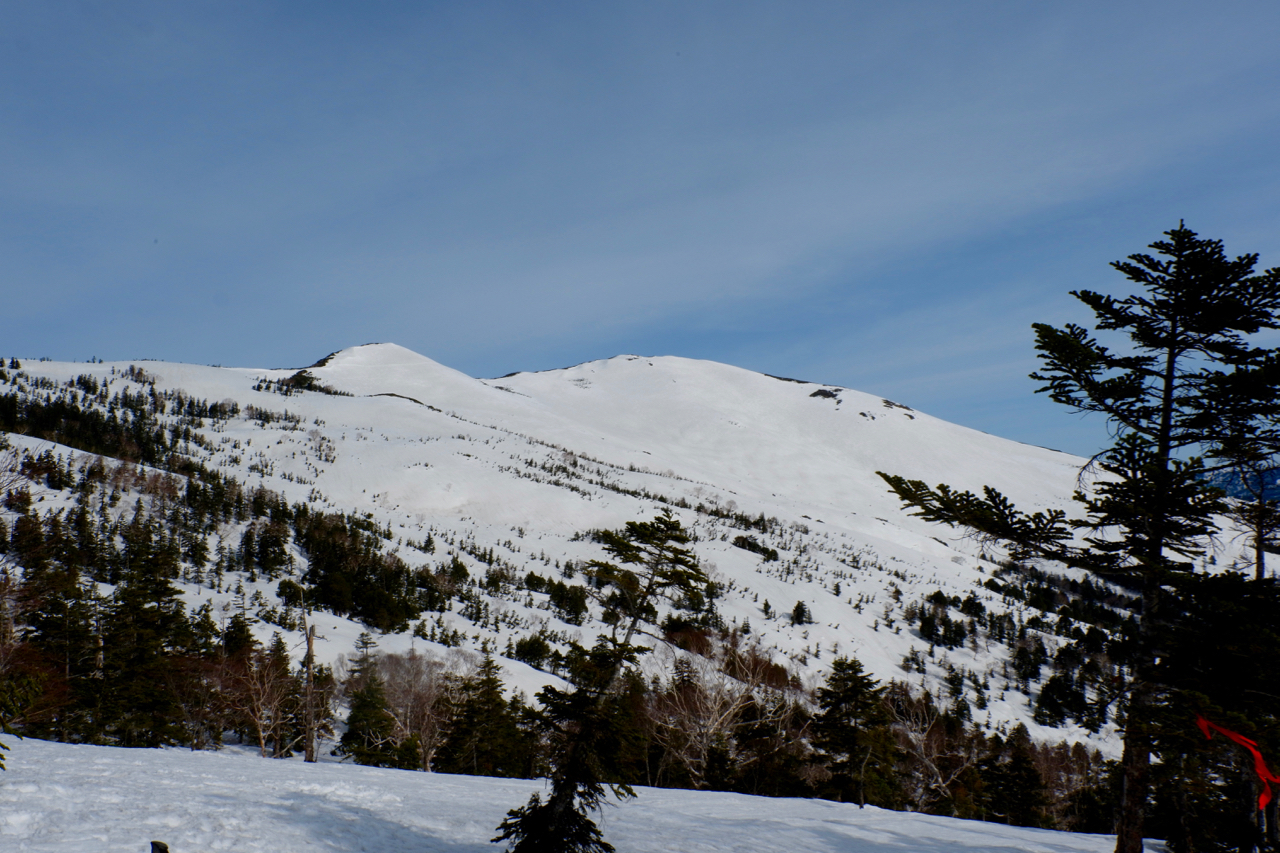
(65, 632)
(852, 729)
(368, 738)
(770, 751)
(1205, 796)
(370, 726)
(146, 630)
(800, 614)
(15, 692)
(484, 737)
(1190, 368)
(587, 727)
(237, 637)
(286, 720)
(365, 663)
(205, 637)
(1014, 790)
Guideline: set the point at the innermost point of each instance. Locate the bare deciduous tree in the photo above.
(1257, 513)
(11, 607)
(419, 691)
(936, 761)
(263, 694)
(705, 702)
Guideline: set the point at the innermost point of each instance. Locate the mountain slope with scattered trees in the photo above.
(379, 556)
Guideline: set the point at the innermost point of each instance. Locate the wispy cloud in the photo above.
(880, 195)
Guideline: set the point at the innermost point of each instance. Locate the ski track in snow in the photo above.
(90, 799)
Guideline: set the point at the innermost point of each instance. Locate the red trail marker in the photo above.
(1259, 766)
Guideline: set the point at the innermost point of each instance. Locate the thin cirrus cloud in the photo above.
(876, 196)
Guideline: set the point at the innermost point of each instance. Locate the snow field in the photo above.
(61, 798)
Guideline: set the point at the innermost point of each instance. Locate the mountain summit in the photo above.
(397, 494)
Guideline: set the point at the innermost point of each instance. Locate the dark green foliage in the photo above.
(750, 543)
(533, 650)
(303, 380)
(588, 739)
(1216, 644)
(937, 626)
(349, 574)
(1060, 700)
(237, 638)
(1013, 792)
(972, 607)
(1092, 808)
(127, 429)
(132, 669)
(1189, 378)
(1027, 659)
(62, 643)
(852, 730)
(587, 728)
(664, 569)
(556, 826)
(264, 547)
(369, 727)
(767, 755)
(16, 692)
(291, 593)
(800, 614)
(218, 683)
(485, 736)
(570, 601)
(148, 622)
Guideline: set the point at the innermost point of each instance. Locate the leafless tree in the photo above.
(420, 691)
(263, 692)
(1257, 512)
(937, 759)
(11, 474)
(705, 701)
(206, 690)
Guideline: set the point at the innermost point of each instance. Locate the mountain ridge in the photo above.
(508, 477)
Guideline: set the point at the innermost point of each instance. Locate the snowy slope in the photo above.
(59, 798)
(751, 434)
(524, 464)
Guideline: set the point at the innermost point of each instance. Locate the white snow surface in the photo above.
(525, 464)
(60, 798)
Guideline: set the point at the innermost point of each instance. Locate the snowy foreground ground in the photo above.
(83, 799)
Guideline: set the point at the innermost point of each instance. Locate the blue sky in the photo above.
(881, 196)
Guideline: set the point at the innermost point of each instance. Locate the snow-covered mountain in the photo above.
(505, 476)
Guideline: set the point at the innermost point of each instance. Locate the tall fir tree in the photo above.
(587, 726)
(1189, 364)
(484, 736)
(146, 631)
(852, 729)
(1014, 789)
(368, 738)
